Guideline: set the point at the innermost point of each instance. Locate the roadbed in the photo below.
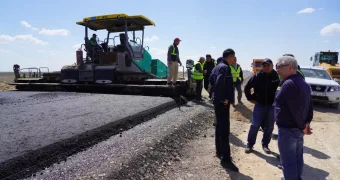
(31, 121)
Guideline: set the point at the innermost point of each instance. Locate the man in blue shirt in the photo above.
(221, 81)
(293, 112)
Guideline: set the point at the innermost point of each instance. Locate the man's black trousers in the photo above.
(222, 113)
(206, 81)
(199, 87)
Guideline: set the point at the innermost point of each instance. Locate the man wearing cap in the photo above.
(264, 83)
(197, 75)
(173, 61)
(208, 67)
(223, 94)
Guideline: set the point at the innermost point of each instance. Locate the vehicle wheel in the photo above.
(334, 105)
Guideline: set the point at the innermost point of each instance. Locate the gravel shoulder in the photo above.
(322, 155)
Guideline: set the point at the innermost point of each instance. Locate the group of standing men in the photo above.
(280, 96)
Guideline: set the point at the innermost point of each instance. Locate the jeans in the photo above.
(222, 130)
(239, 91)
(290, 143)
(263, 115)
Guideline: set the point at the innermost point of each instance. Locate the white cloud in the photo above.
(157, 51)
(332, 29)
(24, 23)
(306, 10)
(153, 38)
(23, 38)
(3, 51)
(50, 32)
(193, 57)
(49, 52)
(54, 32)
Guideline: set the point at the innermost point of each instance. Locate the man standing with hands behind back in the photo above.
(173, 61)
(223, 94)
(293, 115)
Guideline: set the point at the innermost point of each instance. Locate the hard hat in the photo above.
(177, 39)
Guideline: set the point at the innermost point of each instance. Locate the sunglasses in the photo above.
(278, 67)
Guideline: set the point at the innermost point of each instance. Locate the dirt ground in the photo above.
(322, 155)
(6, 77)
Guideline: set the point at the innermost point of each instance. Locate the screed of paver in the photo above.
(31, 120)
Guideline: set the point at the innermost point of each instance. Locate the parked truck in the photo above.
(256, 65)
(329, 61)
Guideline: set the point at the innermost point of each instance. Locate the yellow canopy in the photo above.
(116, 23)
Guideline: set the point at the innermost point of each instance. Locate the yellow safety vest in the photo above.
(173, 50)
(92, 40)
(235, 73)
(196, 74)
(299, 71)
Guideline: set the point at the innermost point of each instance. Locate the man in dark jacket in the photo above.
(264, 83)
(223, 94)
(208, 67)
(293, 114)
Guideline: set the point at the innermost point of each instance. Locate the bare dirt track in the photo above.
(6, 77)
(322, 155)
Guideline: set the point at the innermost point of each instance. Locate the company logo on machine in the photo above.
(318, 88)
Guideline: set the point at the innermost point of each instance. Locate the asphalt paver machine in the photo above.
(123, 68)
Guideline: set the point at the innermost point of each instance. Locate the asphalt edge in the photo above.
(149, 165)
(25, 165)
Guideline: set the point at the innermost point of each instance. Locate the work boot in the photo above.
(229, 165)
(266, 149)
(248, 149)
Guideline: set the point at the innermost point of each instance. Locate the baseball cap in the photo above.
(177, 39)
(228, 52)
(267, 61)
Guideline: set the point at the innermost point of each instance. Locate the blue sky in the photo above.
(37, 33)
